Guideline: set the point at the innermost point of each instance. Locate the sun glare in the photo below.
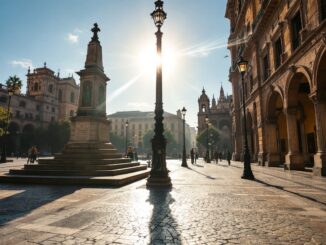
(148, 58)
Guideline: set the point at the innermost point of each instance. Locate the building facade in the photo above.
(219, 118)
(142, 122)
(48, 98)
(285, 92)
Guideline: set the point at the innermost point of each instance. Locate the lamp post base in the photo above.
(247, 173)
(159, 182)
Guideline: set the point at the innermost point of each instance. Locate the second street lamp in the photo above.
(126, 144)
(184, 158)
(247, 173)
(208, 160)
(159, 175)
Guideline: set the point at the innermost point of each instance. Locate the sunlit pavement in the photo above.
(209, 204)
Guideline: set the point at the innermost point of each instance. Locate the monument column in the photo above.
(294, 158)
(90, 125)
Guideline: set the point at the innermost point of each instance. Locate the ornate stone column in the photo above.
(293, 159)
(273, 156)
(319, 100)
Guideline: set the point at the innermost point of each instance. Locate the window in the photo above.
(35, 88)
(18, 114)
(38, 107)
(296, 28)
(52, 119)
(3, 99)
(323, 9)
(22, 104)
(60, 95)
(52, 109)
(278, 52)
(72, 97)
(50, 88)
(266, 67)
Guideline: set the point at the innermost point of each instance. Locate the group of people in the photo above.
(193, 156)
(219, 155)
(132, 153)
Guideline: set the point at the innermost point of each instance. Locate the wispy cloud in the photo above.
(23, 63)
(77, 30)
(203, 49)
(73, 38)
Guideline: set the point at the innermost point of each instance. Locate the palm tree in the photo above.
(14, 84)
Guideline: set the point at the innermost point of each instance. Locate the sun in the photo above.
(148, 58)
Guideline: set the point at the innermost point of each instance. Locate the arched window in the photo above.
(72, 97)
(35, 88)
(50, 88)
(60, 95)
(101, 95)
(87, 94)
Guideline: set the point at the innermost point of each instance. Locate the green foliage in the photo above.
(213, 137)
(3, 120)
(14, 83)
(118, 142)
(171, 147)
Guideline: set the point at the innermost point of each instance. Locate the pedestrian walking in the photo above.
(192, 155)
(196, 157)
(130, 154)
(220, 156)
(33, 154)
(135, 155)
(216, 157)
(229, 157)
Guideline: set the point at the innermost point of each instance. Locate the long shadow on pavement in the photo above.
(207, 176)
(30, 197)
(292, 192)
(162, 225)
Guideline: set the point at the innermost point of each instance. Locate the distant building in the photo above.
(284, 88)
(142, 122)
(219, 118)
(48, 98)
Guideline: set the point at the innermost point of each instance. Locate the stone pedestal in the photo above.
(273, 160)
(320, 164)
(88, 129)
(294, 161)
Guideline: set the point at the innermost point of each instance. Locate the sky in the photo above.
(57, 32)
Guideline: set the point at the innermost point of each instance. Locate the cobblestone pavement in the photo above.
(209, 204)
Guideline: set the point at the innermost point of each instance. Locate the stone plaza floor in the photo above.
(208, 204)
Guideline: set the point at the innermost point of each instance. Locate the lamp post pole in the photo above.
(126, 144)
(159, 174)
(184, 158)
(247, 173)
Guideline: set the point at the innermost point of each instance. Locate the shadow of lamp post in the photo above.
(184, 158)
(159, 176)
(13, 87)
(247, 173)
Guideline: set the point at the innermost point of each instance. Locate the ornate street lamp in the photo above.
(247, 173)
(208, 160)
(12, 89)
(159, 174)
(126, 145)
(184, 158)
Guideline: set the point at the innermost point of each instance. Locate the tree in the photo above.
(214, 137)
(14, 83)
(3, 120)
(171, 146)
(118, 142)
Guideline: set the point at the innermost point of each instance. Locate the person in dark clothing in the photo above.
(130, 154)
(229, 157)
(216, 157)
(192, 155)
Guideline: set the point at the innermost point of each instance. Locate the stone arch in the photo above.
(297, 73)
(321, 53)
(301, 123)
